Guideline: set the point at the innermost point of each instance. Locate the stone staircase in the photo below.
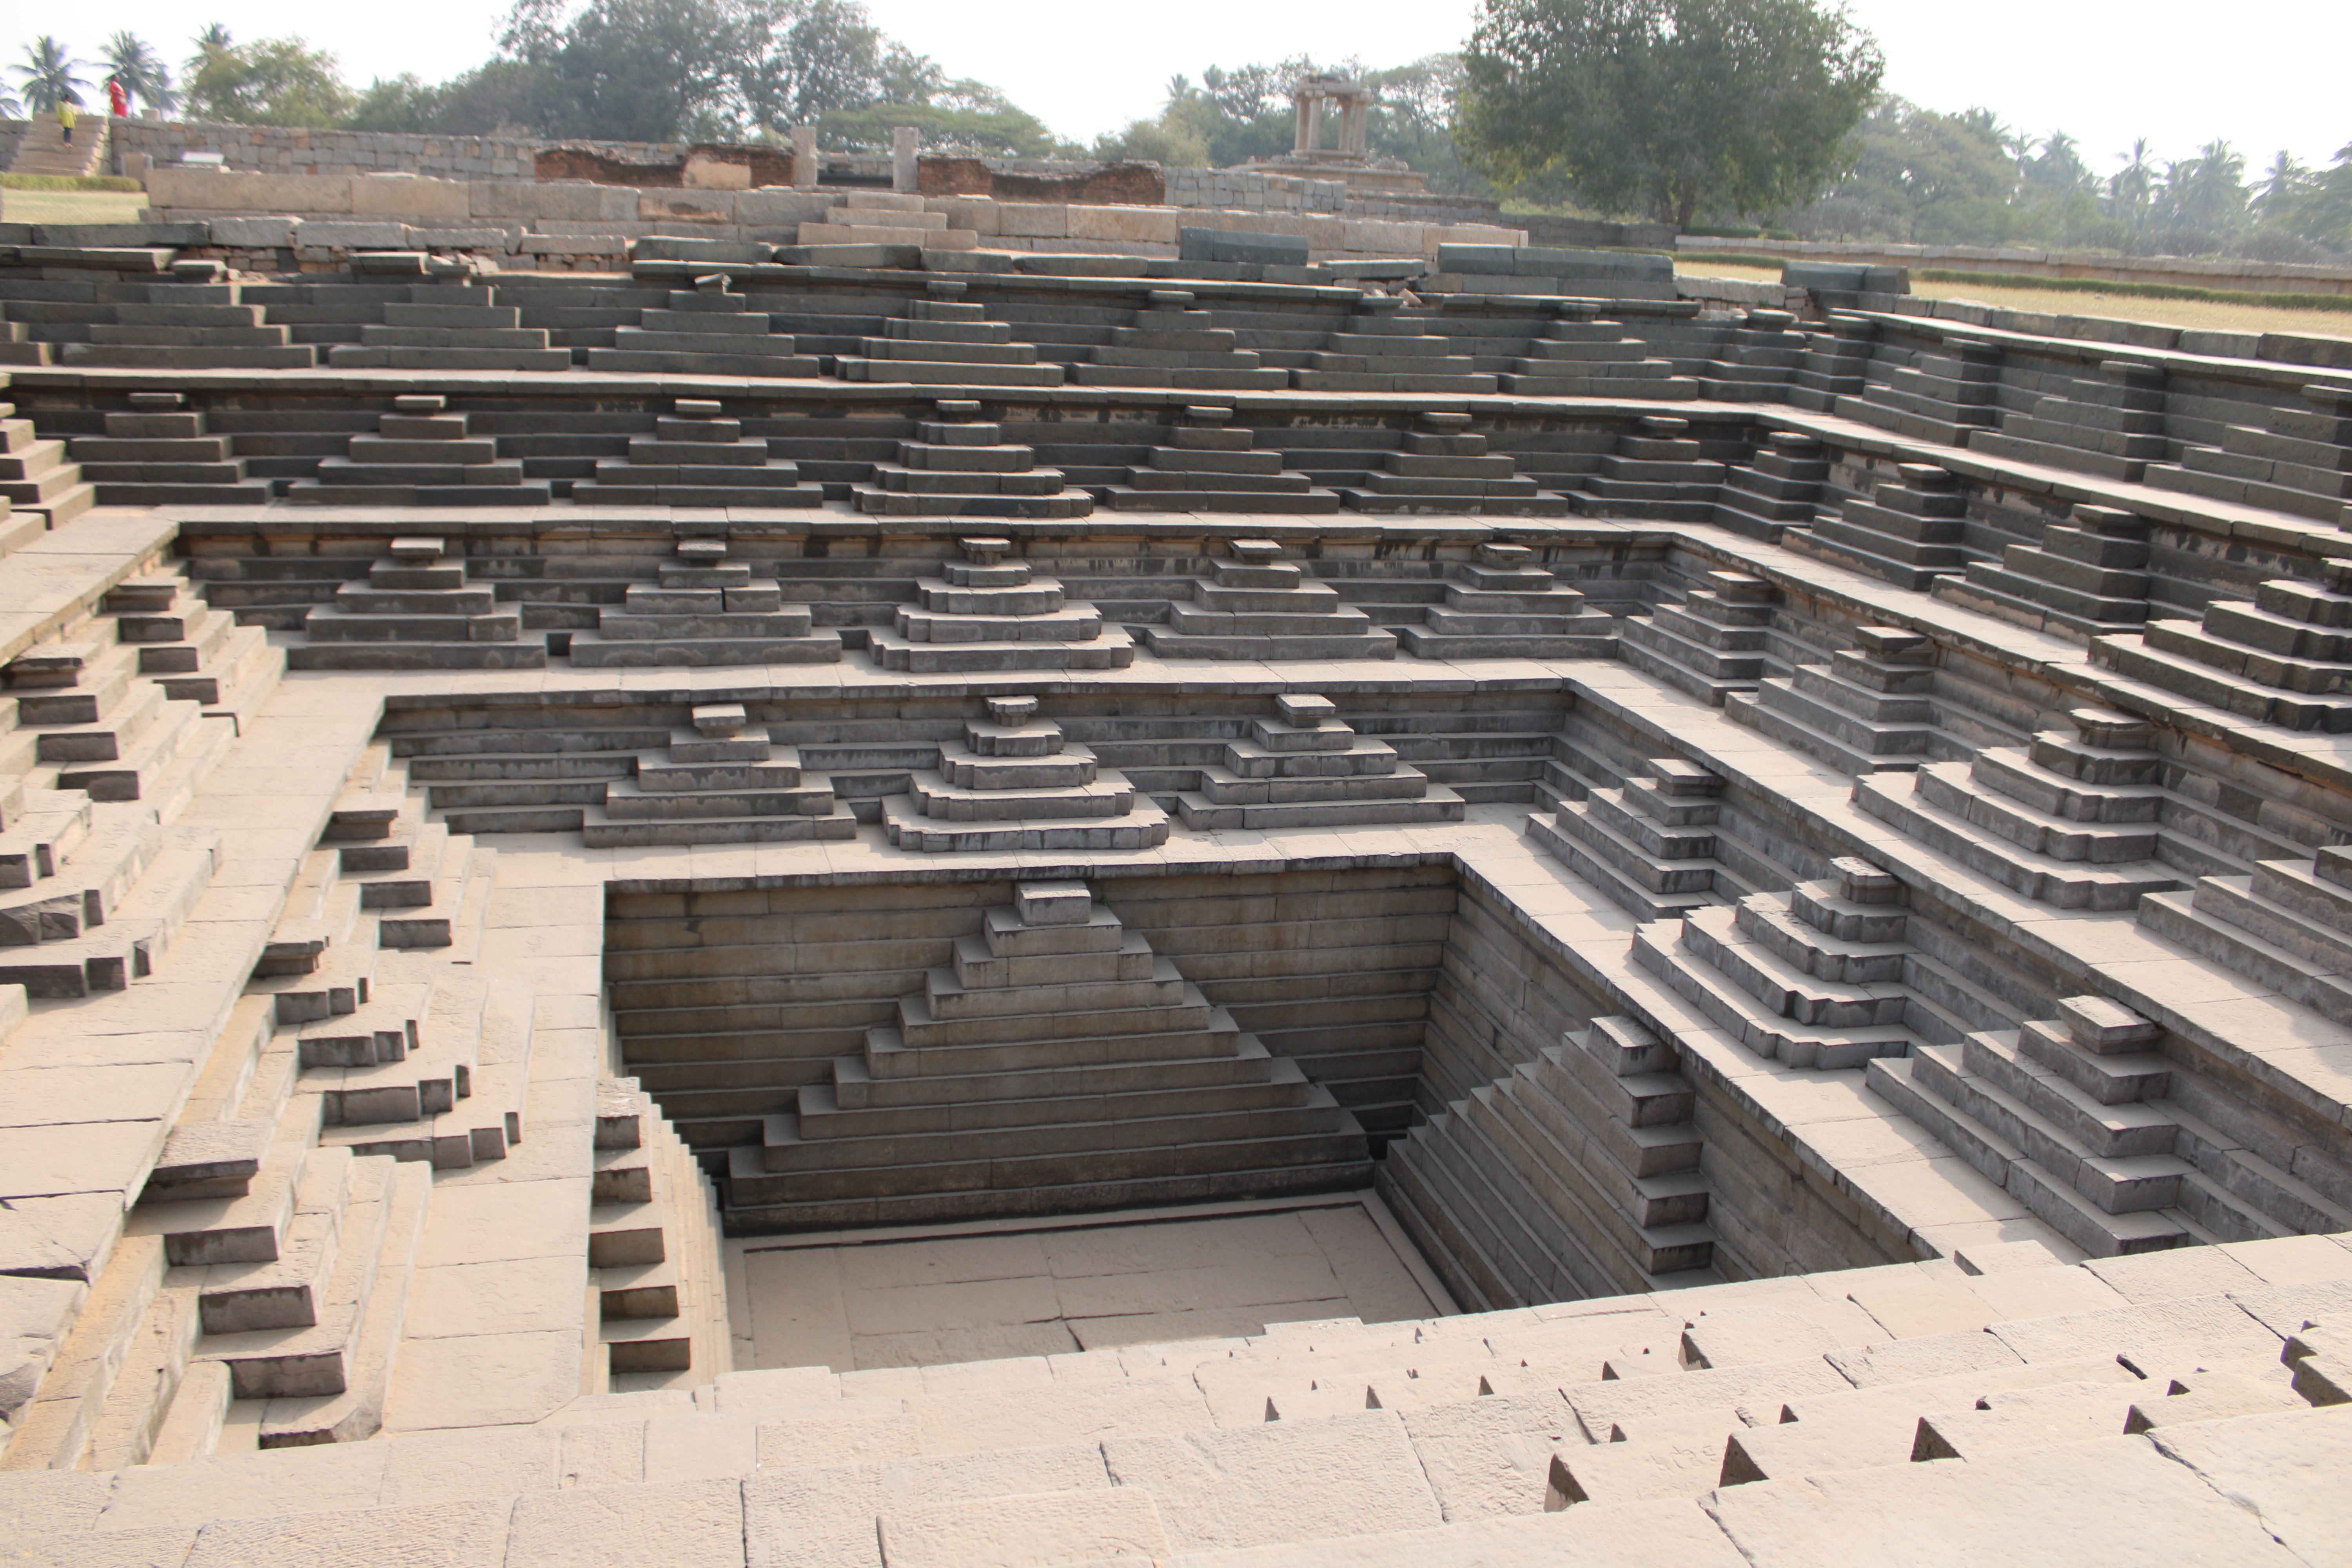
(2003, 1403)
(1171, 343)
(1014, 783)
(1779, 490)
(1945, 396)
(1490, 1191)
(1583, 354)
(985, 611)
(2074, 820)
(653, 1252)
(1382, 348)
(709, 329)
(949, 340)
(2083, 581)
(2299, 461)
(43, 149)
(1908, 534)
(422, 455)
(1836, 364)
(1869, 710)
(1650, 847)
(197, 321)
(1755, 360)
(95, 764)
(1445, 467)
(1304, 769)
(2287, 927)
(41, 488)
(886, 217)
(1259, 606)
(1712, 644)
(696, 457)
(1058, 1065)
(159, 453)
(450, 325)
(722, 782)
(2285, 659)
(1660, 472)
(1210, 466)
(1819, 977)
(703, 610)
(960, 464)
(195, 653)
(1503, 606)
(2115, 1143)
(415, 611)
(2111, 426)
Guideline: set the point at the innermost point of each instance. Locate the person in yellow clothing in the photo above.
(66, 119)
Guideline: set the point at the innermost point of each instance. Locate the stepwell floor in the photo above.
(880, 1298)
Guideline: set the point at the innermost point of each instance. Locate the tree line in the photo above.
(1738, 115)
(619, 70)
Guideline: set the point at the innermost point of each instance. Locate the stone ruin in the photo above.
(898, 899)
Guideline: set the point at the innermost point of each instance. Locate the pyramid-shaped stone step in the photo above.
(987, 611)
(1070, 1016)
(1444, 467)
(1304, 768)
(1660, 470)
(1712, 644)
(1171, 343)
(722, 782)
(1015, 782)
(1583, 355)
(421, 454)
(160, 452)
(1505, 605)
(959, 465)
(1649, 846)
(1383, 348)
(706, 331)
(1210, 465)
(1816, 978)
(415, 611)
(1872, 710)
(2084, 580)
(1908, 534)
(1259, 606)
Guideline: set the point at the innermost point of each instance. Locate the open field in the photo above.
(71, 207)
(2203, 313)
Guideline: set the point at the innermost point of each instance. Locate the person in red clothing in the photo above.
(118, 102)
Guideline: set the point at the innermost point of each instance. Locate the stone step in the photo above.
(823, 1118)
(1663, 950)
(1113, 648)
(2266, 944)
(1436, 803)
(1227, 1058)
(2067, 884)
(354, 1345)
(1751, 710)
(792, 1168)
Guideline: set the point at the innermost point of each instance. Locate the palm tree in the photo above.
(2287, 178)
(214, 40)
(2133, 186)
(47, 76)
(143, 73)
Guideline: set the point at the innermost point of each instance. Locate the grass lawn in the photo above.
(2205, 313)
(71, 207)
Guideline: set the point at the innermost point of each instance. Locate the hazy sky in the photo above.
(2105, 70)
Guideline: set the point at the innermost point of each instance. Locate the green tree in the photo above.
(49, 75)
(133, 62)
(275, 82)
(1668, 106)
